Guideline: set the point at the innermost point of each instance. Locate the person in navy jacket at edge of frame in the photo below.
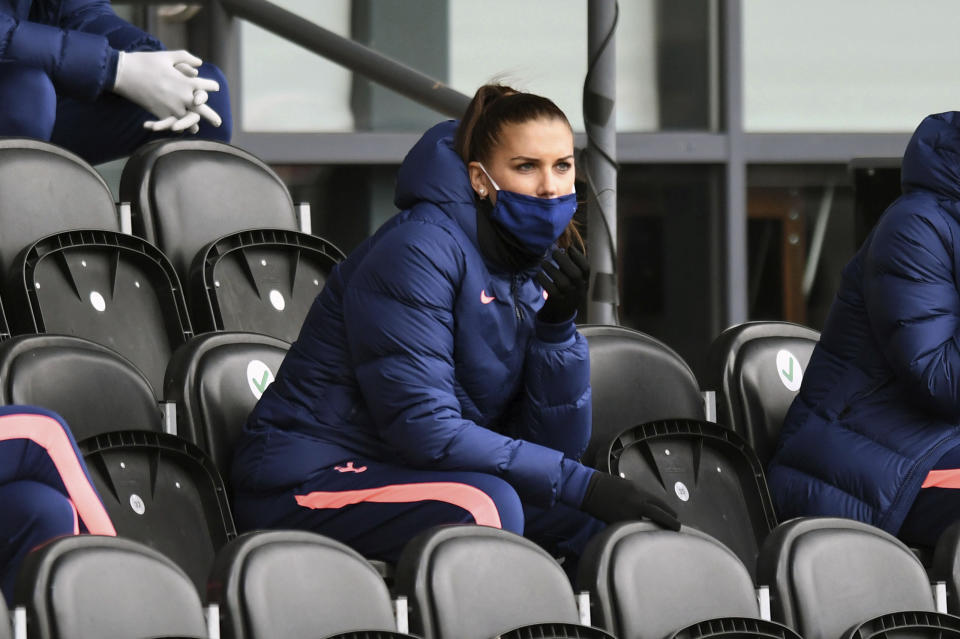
(439, 376)
(45, 488)
(874, 433)
(74, 73)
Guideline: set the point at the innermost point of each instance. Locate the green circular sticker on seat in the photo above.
(259, 376)
(789, 369)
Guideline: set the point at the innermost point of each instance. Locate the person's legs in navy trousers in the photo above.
(938, 504)
(104, 129)
(377, 508)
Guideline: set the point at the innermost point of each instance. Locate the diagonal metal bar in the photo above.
(404, 80)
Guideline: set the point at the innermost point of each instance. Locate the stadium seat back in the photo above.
(707, 473)
(106, 587)
(113, 289)
(262, 281)
(646, 582)
(635, 378)
(756, 369)
(827, 575)
(945, 565)
(5, 632)
(185, 194)
(45, 189)
(93, 388)
(476, 582)
(288, 584)
(163, 492)
(215, 380)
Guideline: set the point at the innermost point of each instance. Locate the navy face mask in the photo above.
(535, 222)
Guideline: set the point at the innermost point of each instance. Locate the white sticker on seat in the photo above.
(789, 369)
(97, 301)
(259, 376)
(276, 299)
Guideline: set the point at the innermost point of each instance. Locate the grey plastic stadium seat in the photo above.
(185, 194)
(111, 288)
(831, 576)
(945, 565)
(635, 379)
(163, 492)
(227, 222)
(4, 326)
(756, 369)
(215, 380)
(289, 584)
(93, 388)
(476, 582)
(262, 281)
(648, 583)
(46, 189)
(707, 473)
(106, 587)
(5, 632)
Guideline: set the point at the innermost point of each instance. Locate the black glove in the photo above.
(566, 286)
(612, 499)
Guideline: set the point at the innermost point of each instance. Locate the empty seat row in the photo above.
(754, 369)
(237, 260)
(826, 578)
(649, 422)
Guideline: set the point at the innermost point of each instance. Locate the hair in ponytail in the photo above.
(492, 107)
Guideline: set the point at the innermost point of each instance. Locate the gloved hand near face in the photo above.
(166, 84)
(566, 285)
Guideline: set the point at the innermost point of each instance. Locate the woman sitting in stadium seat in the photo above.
(439, 376)
(874, 434)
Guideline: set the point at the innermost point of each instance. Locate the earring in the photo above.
(482, 190)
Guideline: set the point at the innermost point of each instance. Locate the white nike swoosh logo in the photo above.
(484, 298)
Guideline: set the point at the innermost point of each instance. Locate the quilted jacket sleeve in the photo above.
(405, 366)
(80, 53)
(98, 17)
(555, 408)
(910, 290)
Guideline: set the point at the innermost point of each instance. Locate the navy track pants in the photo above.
(45, 490)
(937, 505)
(376, 508)
(105, 129)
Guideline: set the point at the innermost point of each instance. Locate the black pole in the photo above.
(599, 100)
(408, 82)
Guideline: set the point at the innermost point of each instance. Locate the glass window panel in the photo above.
(286, 88)
(856, 65)
(530, 45)
(542, 48)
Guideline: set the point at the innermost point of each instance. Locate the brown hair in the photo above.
(492, 107)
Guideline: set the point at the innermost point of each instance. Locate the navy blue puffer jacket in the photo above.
(880, 402)
(420, 352)
(74, 41)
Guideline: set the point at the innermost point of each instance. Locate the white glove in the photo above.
(165, 84)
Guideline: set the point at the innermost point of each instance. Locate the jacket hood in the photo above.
(433, 172)
(932, 158)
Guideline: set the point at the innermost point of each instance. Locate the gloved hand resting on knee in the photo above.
(166, 84)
